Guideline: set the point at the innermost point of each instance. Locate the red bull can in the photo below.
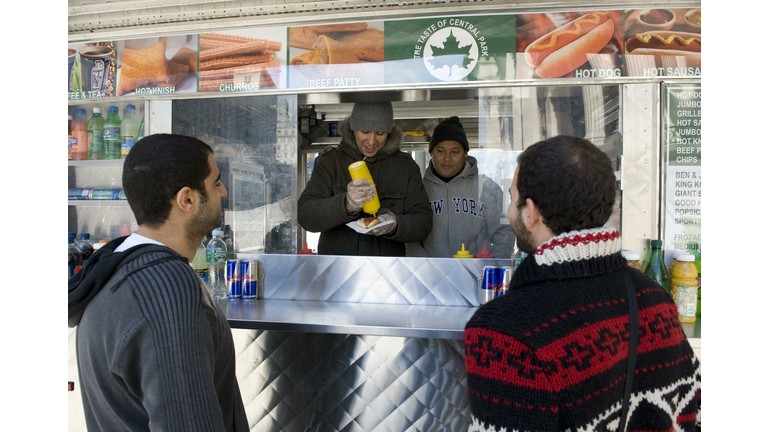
(487, 287)
(248, 273)
(234, 281)
(504, 277)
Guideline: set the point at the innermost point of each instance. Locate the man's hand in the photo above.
(359, 192)
(384, 215)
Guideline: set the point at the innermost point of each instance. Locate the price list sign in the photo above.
(682, 135)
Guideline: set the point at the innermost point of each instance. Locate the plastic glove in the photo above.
(384, 215)
(359, 192)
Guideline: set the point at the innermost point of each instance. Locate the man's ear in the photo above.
(532, 214)
(186, 200)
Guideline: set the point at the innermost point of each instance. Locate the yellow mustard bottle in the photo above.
(684, 287)
(358, 170)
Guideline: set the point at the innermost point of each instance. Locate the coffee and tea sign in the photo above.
(646, 42)
(91, 71)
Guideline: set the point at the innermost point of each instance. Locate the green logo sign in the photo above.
(450, 49)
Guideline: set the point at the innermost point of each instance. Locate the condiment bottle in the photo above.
(633, 259)
(484, 254)
(358, 170)
(306, 250)
(463, 253)
(684, 287)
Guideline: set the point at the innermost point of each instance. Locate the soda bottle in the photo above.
(685, 287)
(96, 135)
(80, 133)
(112, 143)
(75, 256)
(216, 256)
(199, 263)
(85, 246)
(72, 142)
(655, 269)
(129, 130)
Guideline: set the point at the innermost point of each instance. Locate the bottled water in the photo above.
(216, 257)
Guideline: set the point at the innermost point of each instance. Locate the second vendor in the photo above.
(467, 206)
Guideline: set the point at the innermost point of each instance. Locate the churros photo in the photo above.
(243, 60)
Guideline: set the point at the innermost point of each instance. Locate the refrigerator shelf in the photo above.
(98, 203)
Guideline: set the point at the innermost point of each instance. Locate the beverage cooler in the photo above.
(375, 343)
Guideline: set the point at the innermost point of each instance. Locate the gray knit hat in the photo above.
(450, 129)
(372, 117)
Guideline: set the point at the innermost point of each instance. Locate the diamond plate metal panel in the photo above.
(383, 280)
(319, 382)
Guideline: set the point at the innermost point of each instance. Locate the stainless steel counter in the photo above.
(438, 322)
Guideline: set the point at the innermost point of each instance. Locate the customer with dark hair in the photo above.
(154, 351)
(332, 199)
(466, 205)
(556, 352)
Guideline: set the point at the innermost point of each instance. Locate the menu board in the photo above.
(595, 45)
(682, 140)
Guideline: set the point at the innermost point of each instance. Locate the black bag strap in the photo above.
(634, 324)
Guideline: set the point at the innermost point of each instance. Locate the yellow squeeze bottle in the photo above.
(463, 253)
(359, 170)
(684, 287)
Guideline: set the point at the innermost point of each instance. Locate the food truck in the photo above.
(355, 342)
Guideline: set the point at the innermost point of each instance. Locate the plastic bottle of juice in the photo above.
(129, 130)
(655, 269)
(199, 263)
(112, 142)
(697, 263)
(633, 259)
(685, 287)
(80, 132)
(96, 135)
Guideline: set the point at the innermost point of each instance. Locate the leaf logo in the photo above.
(451, 54)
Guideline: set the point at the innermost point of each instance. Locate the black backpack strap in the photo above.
(634, 324)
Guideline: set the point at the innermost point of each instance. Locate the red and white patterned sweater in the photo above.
(551, 355)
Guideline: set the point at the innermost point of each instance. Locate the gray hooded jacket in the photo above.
(398, 183)
(466, 210)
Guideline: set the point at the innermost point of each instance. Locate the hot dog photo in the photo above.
(573, 45)
(663, 42)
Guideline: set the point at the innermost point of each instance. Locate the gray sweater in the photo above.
(153, 349)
